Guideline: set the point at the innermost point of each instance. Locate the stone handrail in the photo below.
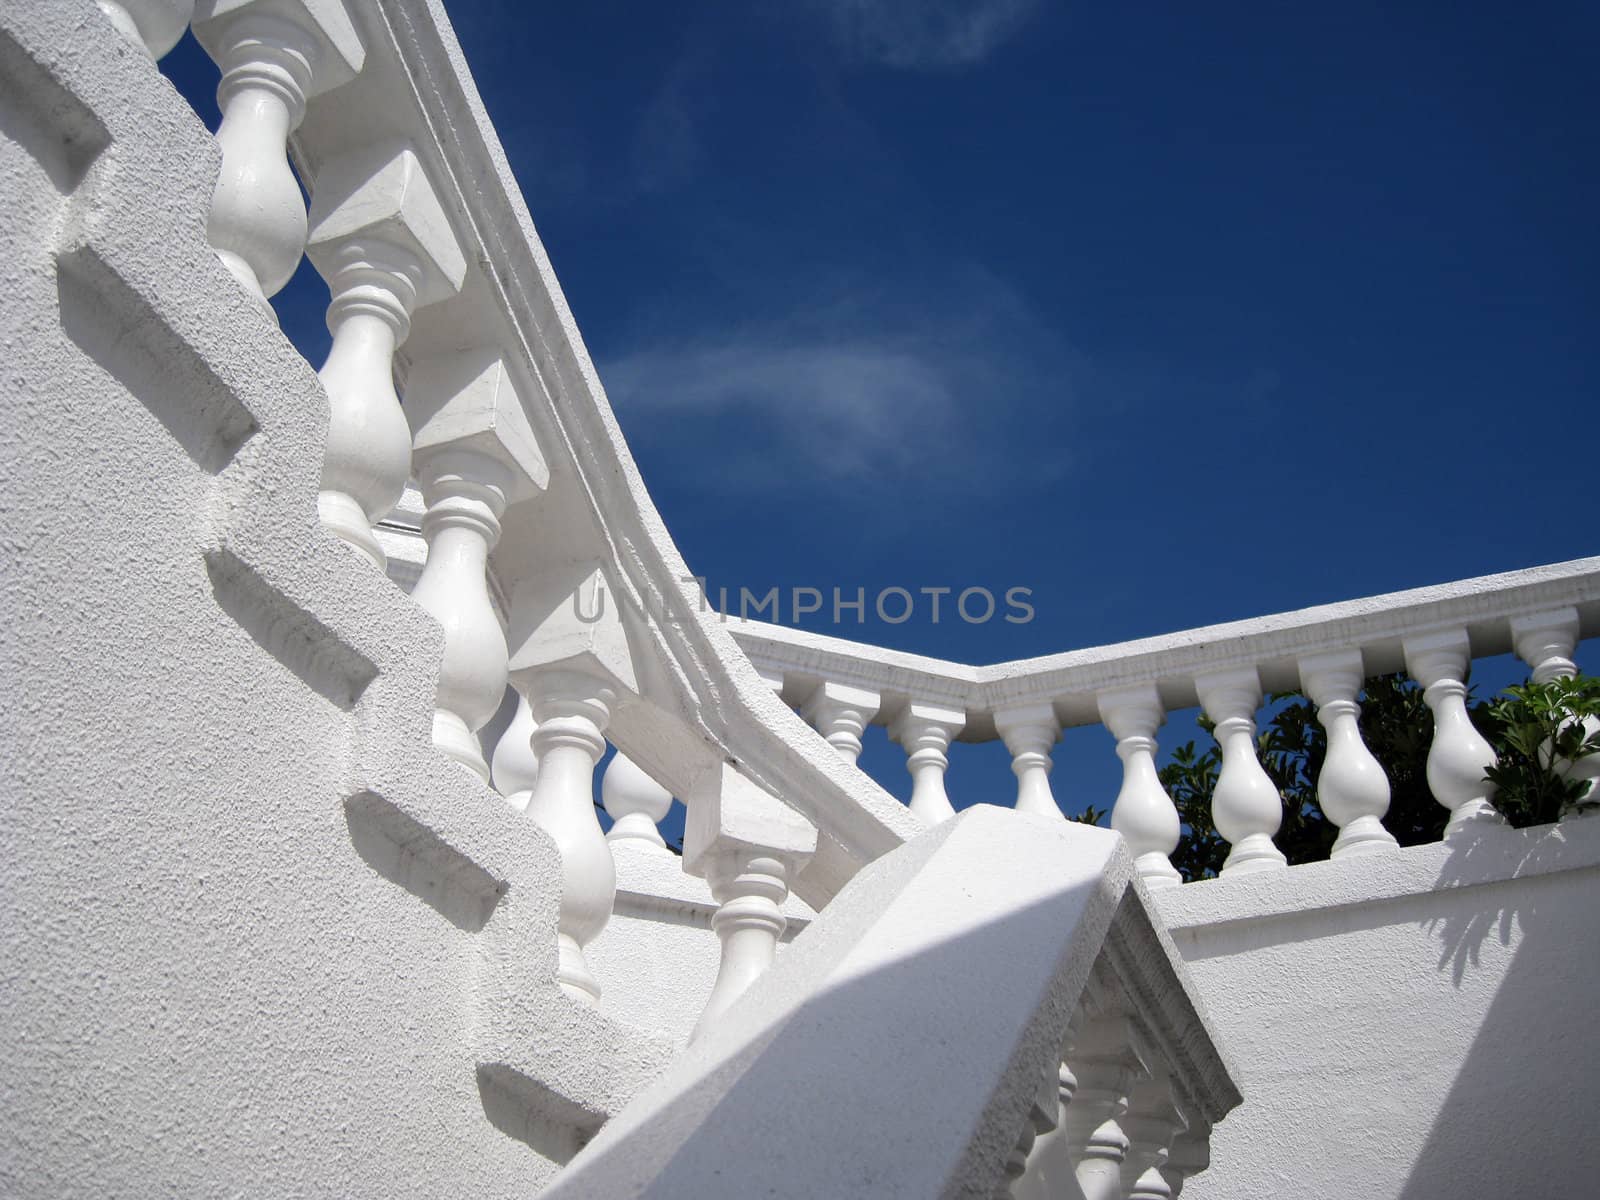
(990, 1011)
(1327, 651)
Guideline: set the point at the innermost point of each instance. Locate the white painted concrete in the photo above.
(898, 1046)
(258, 936)
(1416, 1025)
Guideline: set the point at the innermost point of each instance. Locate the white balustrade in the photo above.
(1352, 787)
(515, 767)
(1030, 732)
(1152, 1122)
(475, 454)
(1245, 807)
(841, 714)
(1143, 813)
(572, 660)
(274, 54)
(1043, 1115)
(636, 805)
(1546, 642)
(1190, 1154)
(155, 26)
(925, 731)
(1105, 1065)
(748, 846)
(383, 243)
(1459, 755)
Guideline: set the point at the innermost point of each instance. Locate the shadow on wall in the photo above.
(1513, 858)
(1527, 1088)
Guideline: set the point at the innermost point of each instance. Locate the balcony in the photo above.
(308, 886)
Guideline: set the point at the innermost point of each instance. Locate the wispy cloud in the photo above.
(885, 390)
(925, 34)
(666, 146)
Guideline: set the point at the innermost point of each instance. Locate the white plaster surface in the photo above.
(257, 937)
(896, 1046)
(1414, 1025)
(1272, 645)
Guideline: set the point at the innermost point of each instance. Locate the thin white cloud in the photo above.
(925, 34)
(888, 392)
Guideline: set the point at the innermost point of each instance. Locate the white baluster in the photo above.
(571, 659)
(1190, 1154)
(274, 54)
(1041, 1119)
(1143, 813)
(748, 846)
(635, 803)
(515, 767)
(1105, 1066)
(383, 243)
(841, 714)
(1153, 1120)
(1352, 788)
(572, 711)
(925, 730)
(475, 454)
(1546, 642)
(1459, 754)
(1030, 732)
(155, 26)
(1245, 807)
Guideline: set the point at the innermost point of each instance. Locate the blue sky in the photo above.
(1172, 313)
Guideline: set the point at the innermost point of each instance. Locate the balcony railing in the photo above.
(1327, 653)
(455, 366)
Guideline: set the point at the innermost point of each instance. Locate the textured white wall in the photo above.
(257, 936)
(1419, 1025)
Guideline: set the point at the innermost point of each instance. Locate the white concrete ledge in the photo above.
(1473, 858)
(1272, 644)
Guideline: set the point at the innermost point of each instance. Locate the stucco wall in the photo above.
(256, 936)
(1416, 1025)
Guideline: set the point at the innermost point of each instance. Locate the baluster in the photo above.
(274, 54)
(1245, 807)
(748, 846)
(385, 247)
(1546, 642)
(1153, 1120)
(636, 804)
(1459, 755)
(475, 454)
(1040, 1120)
(1105, 1064)
(1352, 788)
(841, 714)
(155, 26)
(515, 767)
(1190, 1154)
(1143, 813)
(572, 661)
(1030, 732)
(925, 730)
